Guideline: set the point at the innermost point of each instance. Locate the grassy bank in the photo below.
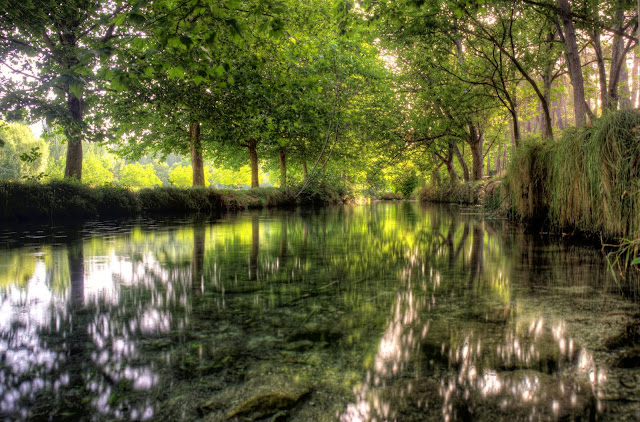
(70, 200)
(469, 193)
(586, 181)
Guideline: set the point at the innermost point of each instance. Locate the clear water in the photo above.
(360, 313)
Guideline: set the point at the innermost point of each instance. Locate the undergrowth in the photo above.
(31, 200)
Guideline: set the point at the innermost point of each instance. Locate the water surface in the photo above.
(375, 312)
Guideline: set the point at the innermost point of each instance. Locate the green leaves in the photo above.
(176, 73)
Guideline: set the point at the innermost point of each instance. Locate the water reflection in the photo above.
(389, 312)
(493, 359)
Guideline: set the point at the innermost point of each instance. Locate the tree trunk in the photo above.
(475, 143)
(617, 60)
(573, 63)
(602, 72)
(547, 79)
(635, 93)
(515, 131)
(515, 118)
(463, 163)
(623, 91)
(305, 172)
(498, 160)
(283, 168)
(73, 168)
(197, 163)
(448, 162)
(252, 145)
(453, 176)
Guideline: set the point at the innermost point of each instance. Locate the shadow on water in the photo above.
(378, 312)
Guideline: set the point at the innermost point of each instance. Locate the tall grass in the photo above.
(588, 180)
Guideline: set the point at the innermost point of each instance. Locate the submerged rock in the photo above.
(629, 336)
(629, 359)
(259, 398)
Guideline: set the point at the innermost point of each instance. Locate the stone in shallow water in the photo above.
(629, 359)
(258, 398)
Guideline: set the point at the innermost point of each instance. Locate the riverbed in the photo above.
(385, 311)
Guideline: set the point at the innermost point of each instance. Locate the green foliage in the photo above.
(182, 176)
(73, 200)
(323, 192)
(139, 175)
(22, 156)
(97, 170)
(407, 183)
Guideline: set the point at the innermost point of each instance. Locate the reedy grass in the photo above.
(587, 181)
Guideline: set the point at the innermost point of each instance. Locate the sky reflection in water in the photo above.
(432, 314)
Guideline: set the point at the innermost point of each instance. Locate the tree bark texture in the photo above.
(617, 61)
(283, 167)
(463, 163)
(475, 143)
(573, 62)
(252, 145)
(197, 163)
(73, 168)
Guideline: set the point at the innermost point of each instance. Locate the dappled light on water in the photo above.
(380, 312)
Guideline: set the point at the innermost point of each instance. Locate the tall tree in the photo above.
(53, 50)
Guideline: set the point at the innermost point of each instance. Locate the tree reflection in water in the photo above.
(451, 316)
(494, 362)
(77, 355)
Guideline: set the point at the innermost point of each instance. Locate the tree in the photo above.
(53, 50)
(172, 74)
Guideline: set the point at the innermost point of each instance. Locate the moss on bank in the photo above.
(71, 200)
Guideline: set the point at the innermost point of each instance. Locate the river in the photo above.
(387, 311)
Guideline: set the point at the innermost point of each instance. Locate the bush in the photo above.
(390, 196)
(407, 184)
(322, 192)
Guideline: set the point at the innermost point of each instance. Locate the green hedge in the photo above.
(72, 200)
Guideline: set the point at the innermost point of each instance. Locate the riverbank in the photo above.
(64, 200)
(586, 183)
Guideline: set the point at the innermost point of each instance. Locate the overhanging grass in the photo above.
(588, 180)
